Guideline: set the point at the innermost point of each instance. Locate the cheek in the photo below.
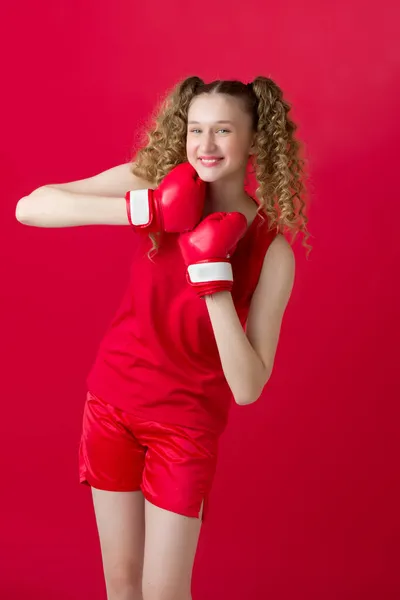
(236, 151)
(190, 148)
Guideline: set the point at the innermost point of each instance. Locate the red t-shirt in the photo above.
(159, 358)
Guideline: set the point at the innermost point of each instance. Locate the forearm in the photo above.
(244, 370)
(53, 207)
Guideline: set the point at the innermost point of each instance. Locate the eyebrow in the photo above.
(198, 122)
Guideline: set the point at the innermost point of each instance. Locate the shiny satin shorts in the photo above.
(172, 465)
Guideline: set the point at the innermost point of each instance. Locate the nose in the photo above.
(207, 143)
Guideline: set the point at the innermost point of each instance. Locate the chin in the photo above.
(210, 175)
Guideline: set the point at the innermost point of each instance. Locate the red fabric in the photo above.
(173, 466)
(159, 359)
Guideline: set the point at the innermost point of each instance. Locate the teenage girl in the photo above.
(198, 327)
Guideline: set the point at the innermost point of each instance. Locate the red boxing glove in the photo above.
(174, 207)
(206, 251)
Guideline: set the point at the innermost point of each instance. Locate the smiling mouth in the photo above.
(210, 162)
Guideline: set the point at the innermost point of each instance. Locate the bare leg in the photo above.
(120, 523)
(170, 548)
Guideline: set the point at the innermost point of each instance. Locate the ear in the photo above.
(253, 145)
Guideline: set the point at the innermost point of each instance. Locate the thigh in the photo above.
(179, 467)
(170, 547)
(121, 527)
(110, 457)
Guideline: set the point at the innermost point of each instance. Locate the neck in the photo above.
(225, 196)
(229, 196)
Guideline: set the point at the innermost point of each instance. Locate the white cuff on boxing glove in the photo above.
(210, 271)
(138, 207)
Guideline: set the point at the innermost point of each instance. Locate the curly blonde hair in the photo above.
(278, 165)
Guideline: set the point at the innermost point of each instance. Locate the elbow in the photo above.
(251, 392)
(21, 211)
(29, 209)
(249, 395)
(246, 399)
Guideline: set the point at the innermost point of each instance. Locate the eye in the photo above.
(223, 130)
(194, 130)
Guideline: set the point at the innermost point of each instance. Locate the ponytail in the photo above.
(166, 139)
(279, 166)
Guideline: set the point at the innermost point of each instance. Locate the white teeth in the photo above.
(209, 161)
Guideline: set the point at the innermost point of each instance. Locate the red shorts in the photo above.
(173, 466)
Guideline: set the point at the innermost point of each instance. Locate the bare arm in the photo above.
(97, 200)
(248, 358)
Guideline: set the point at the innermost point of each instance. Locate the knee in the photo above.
(124, 582)
(162, 592)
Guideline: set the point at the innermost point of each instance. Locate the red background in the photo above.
(306, 500)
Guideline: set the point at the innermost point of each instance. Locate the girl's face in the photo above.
(219, 137)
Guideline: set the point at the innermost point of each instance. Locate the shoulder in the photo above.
(278, 271)
(270, 299)
(280, 251)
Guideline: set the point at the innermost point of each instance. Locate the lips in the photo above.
(210, 161)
